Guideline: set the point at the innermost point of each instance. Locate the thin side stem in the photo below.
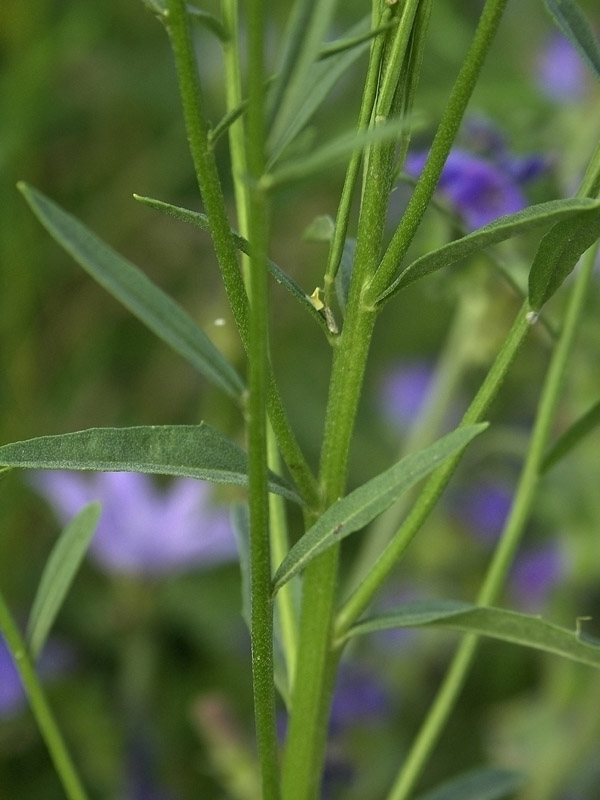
(214, 202)
(258, 356)
(41, 710)
(440, 148)
(364, 594)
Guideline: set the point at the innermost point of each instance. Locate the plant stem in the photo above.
(514, 527)
(39, 705)
(433, 488)
(441, 145)
(214, 202)
(258, 356)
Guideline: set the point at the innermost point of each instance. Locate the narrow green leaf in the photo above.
(303, 40)
(542, 215)
(334, 151)
(59, 572)
(486, 783)
(201, 221)
(361, 506)
(497, 623)
(209, 21)
(559, 252)
(350, 42)
(240, 522)
(321, 79)
(190, 451)
(136, 292)
(574, 25)
(572, 437)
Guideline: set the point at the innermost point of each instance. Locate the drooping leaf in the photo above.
(57, 577)
(497, 623)
(209, 21)
(559, 252)
(351, 42)
(361, 506)
(332, 152)
(486, 783)
(136, 292)
(572, 437)
(201, 221)
(190, 451)
(573, 24)
(501, 229)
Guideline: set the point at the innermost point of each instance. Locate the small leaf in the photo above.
(209, 21)
(574, 25)
(497, 623)
(201, 221)
(320, 229)
(503, 228)
(59, 572)
(189, 451)
(361, 506)
(334, 151)
(559, 252)
(136, 292)
(486, 783)
(572, 437)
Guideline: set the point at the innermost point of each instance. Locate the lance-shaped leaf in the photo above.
(486, 783)
(188, 451)
(136, 292)
(501, 229)
(242, 244)
(572, 22)
(361, 506)
(58, 575)
(497, 623)
(559, 252)
(572, 437)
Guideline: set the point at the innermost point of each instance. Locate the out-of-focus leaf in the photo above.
(189, 451)
(361, 506)
(201, 221)
(57, 577)
(559, 252)
(572, 22)
(209, 21)
(572, 437)
(486, 783)
(136, 292)
(497, 623)
(344, 274)
(499, 230)
(334, 151)
(241, 529)
(320, 229)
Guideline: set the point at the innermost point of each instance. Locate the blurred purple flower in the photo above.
(479, 189)
(359, 697)
(483, 508)
(55, 659)
(535, 573)
(143, 529)
(560, 72)
(404, 391)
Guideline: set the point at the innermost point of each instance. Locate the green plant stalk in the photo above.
(213, 199)
(305, 747)
(278, 523)
(511, 536)
(366, 591)
(41, 710)
(440, 148)
(261, 615)
(343, 214)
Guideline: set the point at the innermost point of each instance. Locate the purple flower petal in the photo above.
(483, 508)
(535, 573)
(404, 391)
(143, 529)
(560, 72)
(359, 697)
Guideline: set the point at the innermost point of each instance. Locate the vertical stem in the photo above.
(440, 148)
(41, 710)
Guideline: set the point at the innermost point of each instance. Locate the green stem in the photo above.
(364, 594)
(440, 148)
(39, 705)
(512, 534)
(214, 202)
(258, 356)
